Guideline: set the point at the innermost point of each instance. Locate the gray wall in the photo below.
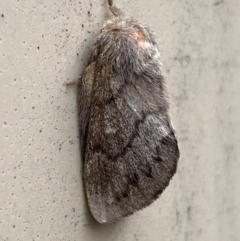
(44, 44)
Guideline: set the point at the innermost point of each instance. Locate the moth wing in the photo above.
(85, 85)
(131, 149)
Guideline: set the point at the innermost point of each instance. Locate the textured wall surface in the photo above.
(44, 44)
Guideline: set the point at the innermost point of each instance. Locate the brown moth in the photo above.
(128, 143)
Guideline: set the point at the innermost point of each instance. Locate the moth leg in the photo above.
(72, 83)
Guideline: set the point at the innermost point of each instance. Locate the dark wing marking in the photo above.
(131, 150)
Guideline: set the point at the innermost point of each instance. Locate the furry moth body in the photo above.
(128, 144)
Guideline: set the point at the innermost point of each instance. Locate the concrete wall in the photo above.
(44, 44)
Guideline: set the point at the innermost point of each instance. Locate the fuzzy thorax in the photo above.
(128, 46)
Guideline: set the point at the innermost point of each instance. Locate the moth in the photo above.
(128, 144)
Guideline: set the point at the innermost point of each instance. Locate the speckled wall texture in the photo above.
(44, 44)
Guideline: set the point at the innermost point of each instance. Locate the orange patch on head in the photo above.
(140, 36)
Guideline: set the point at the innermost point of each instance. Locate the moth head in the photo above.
(126, 27)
